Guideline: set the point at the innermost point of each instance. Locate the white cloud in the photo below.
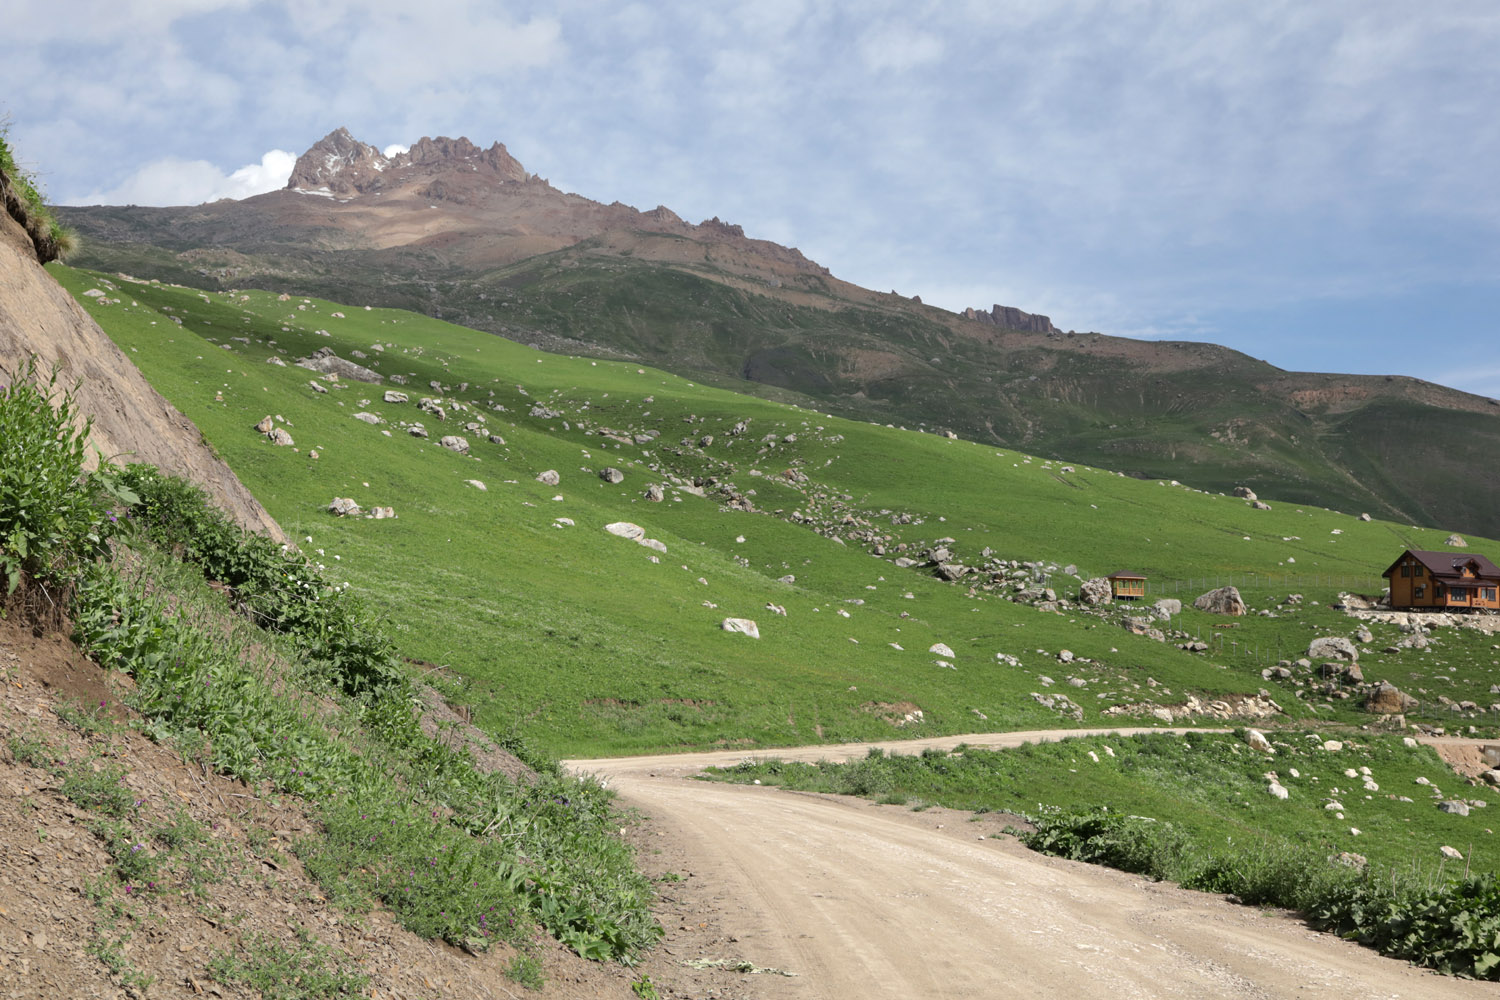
(394, 149)
(898, 48)
(173, 181)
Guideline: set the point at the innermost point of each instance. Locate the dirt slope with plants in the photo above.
(131, 420)
(858, 899)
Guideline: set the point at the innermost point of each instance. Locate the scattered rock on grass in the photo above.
(742, 625)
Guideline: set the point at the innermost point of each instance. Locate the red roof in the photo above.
(1448, 565)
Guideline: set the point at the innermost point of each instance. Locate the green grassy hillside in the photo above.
(1184, 410)
(592, 644)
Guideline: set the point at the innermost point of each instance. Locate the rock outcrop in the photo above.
(1011, 318)
(325, 361)
(1224, 601)
(132, 421)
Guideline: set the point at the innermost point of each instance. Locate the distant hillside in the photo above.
(467, 235)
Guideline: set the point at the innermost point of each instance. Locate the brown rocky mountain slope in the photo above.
(131, 420)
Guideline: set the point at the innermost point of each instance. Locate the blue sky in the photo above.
(1313, 184)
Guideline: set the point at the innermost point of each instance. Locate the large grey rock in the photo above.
(1095, 591)
(279, 436)
(1223, 601)
(343, 507)
(610, 474)
(325, 361)
(455, 443)
(1455, 807)
(368, 418)
(550, 477)
(392, 396)
(1257, 741)
(1332, 647)
(1387, 699)
(1456, 541)
(1245, 493)
(654, 493)
(1169, 606)
(744, 626)
(625, 529)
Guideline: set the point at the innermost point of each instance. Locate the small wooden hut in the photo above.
(1127, 585)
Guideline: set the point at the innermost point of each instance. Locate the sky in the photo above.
(1311, 183)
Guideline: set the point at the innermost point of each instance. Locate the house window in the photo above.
(1489, 593)
(1416, 570)
(1420, 590)
(1405, 569)
(1458, 595)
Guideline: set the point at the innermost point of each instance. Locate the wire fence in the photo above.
(1354, 583)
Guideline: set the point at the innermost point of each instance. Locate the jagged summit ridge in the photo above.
(1011, 318)
(340, 165)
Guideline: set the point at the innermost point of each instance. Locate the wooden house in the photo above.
(1127, 585)
(1444, 581)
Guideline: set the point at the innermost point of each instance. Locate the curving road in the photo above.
(865, 901)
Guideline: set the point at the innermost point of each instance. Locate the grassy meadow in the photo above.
(589, 644)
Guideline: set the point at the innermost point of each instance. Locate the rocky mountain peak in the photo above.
(339, 164)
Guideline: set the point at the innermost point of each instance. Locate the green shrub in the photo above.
(1099, 836)
(282, 591)
(53, 515)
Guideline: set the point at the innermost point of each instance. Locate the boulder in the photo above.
(744, 626)
(368, 418)
(477, 485)
(1332, 647)
(1244, 493)
(1492, 776)
(1457, 542)
(279, 436)
(1364, 517)
(1095, 591)
(625, 529)
(382, 513)
(1454, 807)
(343, 507)
(1169, 606)
(941, 649)
(392, 396)
(950, 571)
(1260, 505)
(654, 493)
(1278, 790)
(496, 439)
(1224, 601)
(550, 477)
(1257, 741)
(417, 431)
(611, 475)
(455, 443)
(1387, 699)
(264, 427)
(325, 361)
(274, 360)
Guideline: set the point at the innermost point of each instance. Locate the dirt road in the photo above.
(861, 901)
